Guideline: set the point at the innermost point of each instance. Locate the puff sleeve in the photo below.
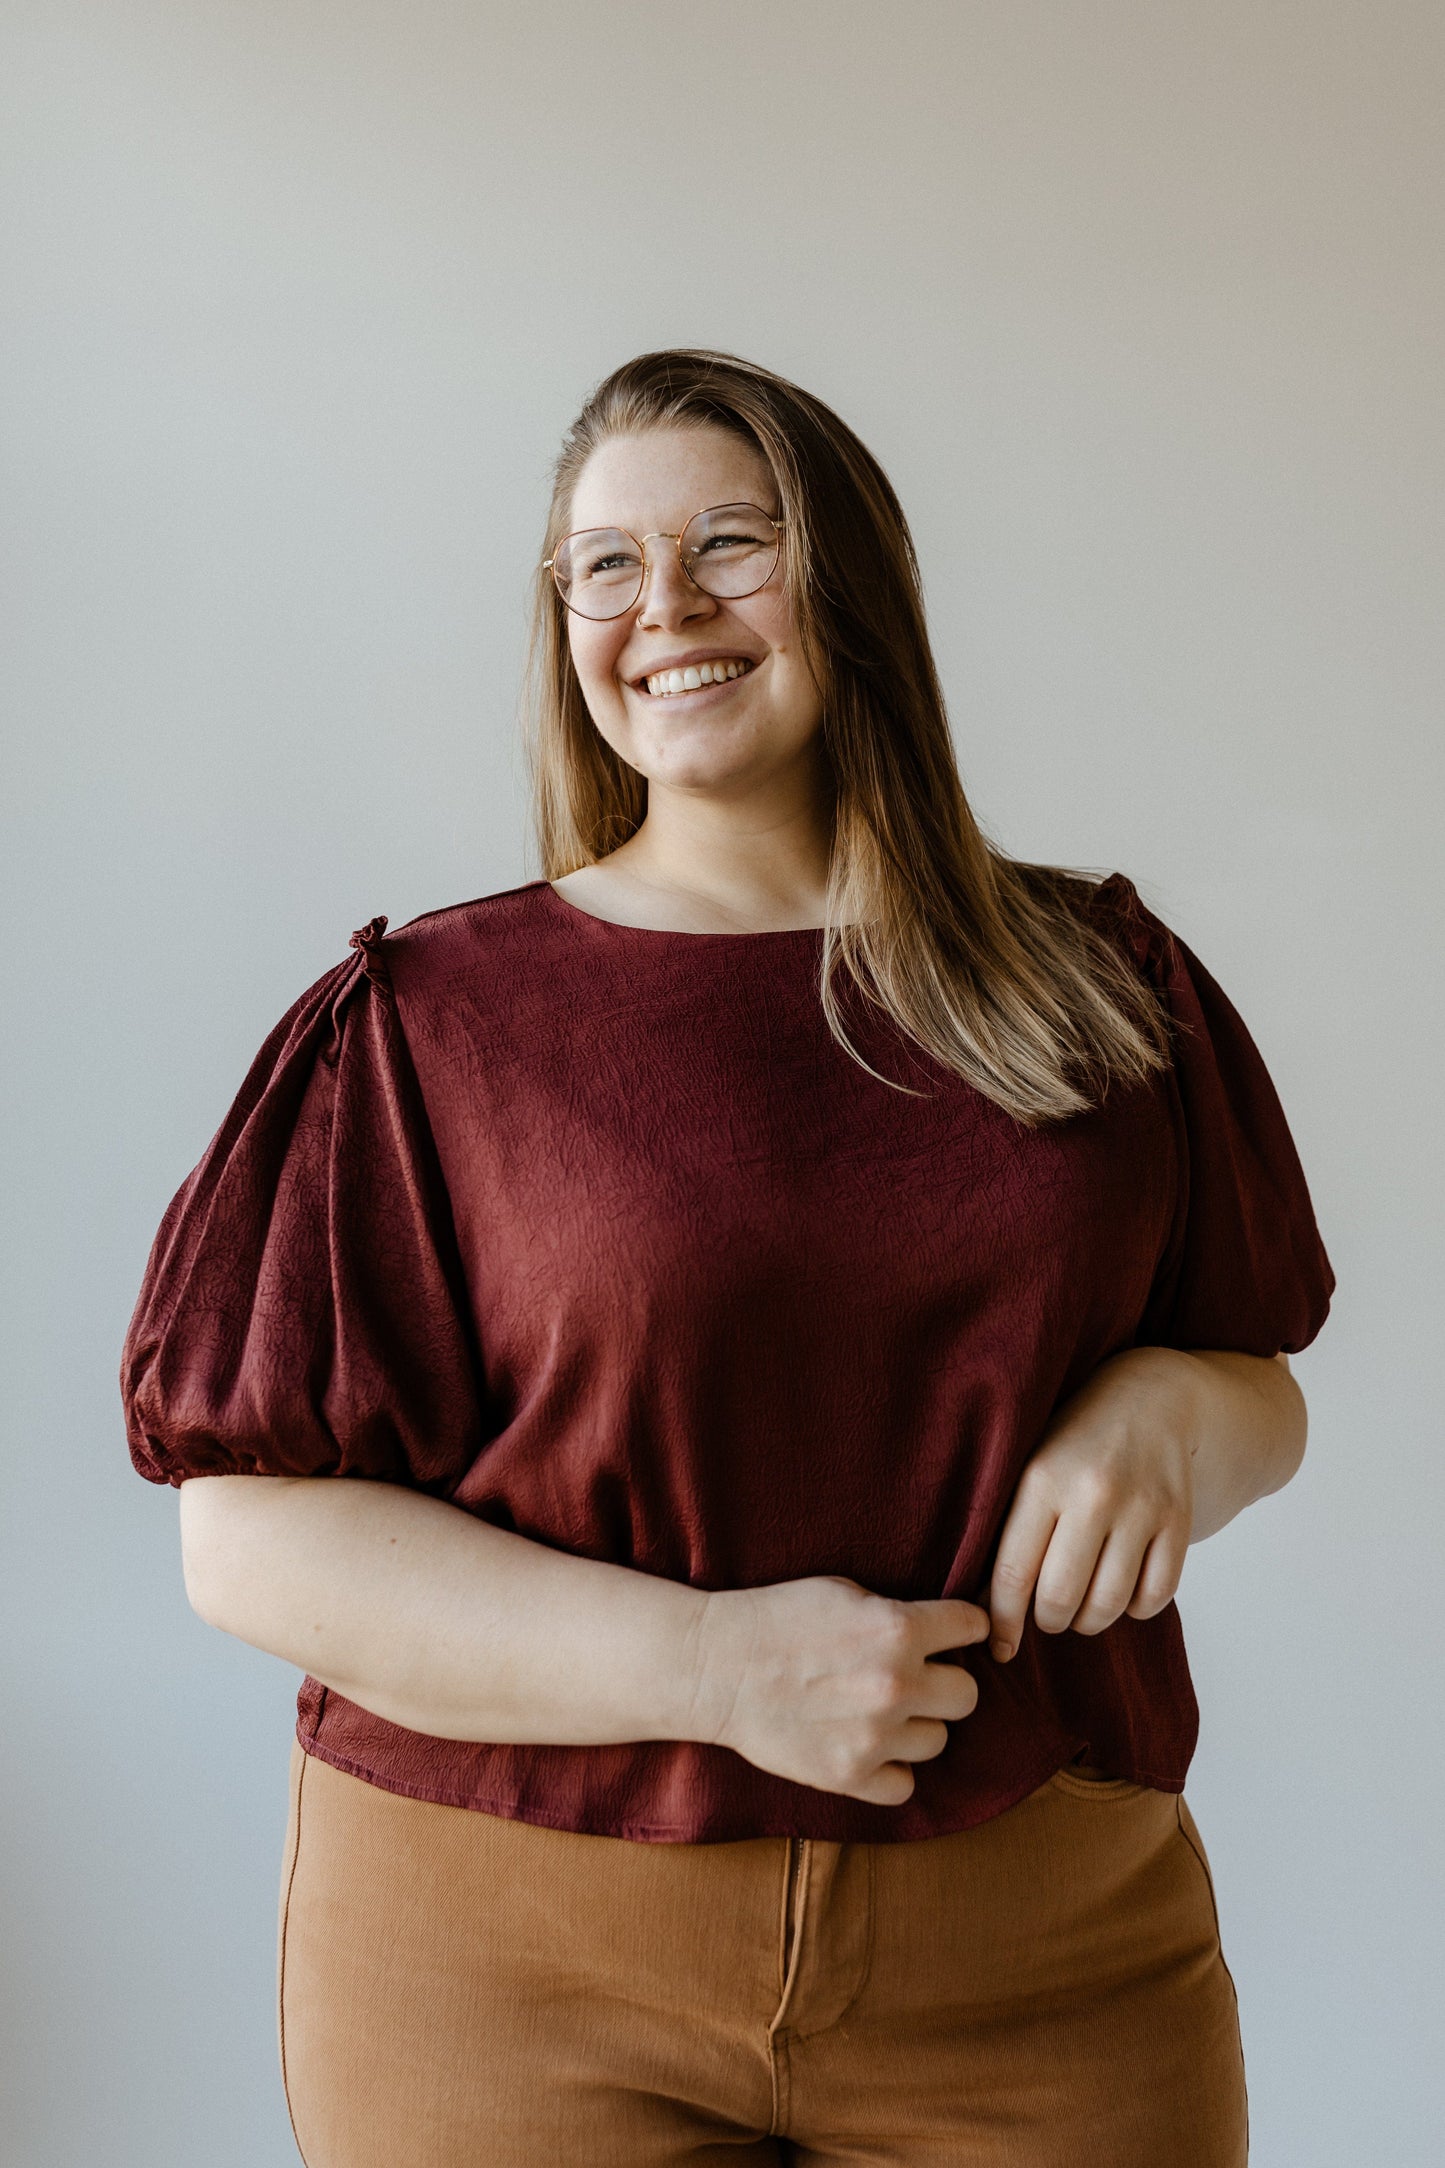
(1245, 1267)
(302, 1310)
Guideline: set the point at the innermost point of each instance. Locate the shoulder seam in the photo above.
(469, 903)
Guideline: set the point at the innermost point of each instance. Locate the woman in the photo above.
(794, 1281)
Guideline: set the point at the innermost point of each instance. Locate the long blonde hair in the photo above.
(990, 964)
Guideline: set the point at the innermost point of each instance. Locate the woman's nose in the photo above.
(668, 595)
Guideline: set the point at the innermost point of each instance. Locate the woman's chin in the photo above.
(697, 760)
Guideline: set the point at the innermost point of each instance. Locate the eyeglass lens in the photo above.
(728, 551)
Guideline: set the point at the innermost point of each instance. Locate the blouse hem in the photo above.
(675, 1833)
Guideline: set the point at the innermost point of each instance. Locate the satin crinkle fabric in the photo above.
(597, 1232)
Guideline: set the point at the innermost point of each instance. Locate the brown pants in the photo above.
(1047, 1991)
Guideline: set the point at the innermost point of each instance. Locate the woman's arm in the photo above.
(1159, 1449)
(444, 1623)
(1249, 1434)
(434, 1619)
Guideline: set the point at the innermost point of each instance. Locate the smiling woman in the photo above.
(790, 1284)
(841, 733)
(709, 599)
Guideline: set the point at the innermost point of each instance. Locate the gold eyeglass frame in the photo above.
(549, 564)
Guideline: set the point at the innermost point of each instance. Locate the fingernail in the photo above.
(1001, 1651)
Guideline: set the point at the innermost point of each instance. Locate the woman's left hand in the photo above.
(1106, 1509)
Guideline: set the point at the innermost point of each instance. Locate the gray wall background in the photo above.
(1141, 306)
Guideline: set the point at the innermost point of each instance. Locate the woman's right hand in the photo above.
(829, 1685)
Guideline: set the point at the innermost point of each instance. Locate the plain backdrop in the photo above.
(1141, 307)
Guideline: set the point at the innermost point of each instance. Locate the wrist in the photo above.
(714, 1647)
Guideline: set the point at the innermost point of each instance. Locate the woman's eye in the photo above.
(616, 561)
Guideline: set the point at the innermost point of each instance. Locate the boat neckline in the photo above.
(677, 933)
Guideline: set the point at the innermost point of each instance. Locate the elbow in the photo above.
(1293, 1427)
(204, 1547)
(218, 1529)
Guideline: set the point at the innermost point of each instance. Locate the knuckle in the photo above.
(882, 1696)
(876, 1726)
(852, 1756)
(846, 1770)
(1098, 1489)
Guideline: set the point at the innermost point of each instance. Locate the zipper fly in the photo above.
(790, 1912)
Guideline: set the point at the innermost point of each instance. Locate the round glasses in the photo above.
(729, 550)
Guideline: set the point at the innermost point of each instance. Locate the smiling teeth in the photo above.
(694, 677)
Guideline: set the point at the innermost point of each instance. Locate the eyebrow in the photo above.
(627, 526)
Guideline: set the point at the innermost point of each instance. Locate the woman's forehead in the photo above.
(653, 482)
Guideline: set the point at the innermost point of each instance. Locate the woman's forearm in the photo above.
(441, 1622)
(1249, 1434)
(434, 1619)
(437, 1620)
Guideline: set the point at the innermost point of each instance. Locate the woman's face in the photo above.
(730, 737)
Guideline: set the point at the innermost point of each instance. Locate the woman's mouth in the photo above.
(662, 684)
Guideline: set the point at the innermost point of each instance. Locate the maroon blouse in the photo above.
(597, 1232)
